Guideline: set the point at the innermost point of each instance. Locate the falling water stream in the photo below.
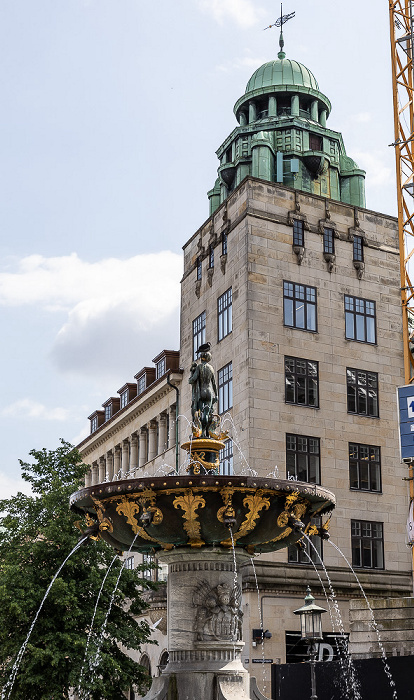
(374, 626)
(95, 662)
(9, 685)
(350, 675)
(93, 620)
(259, 607)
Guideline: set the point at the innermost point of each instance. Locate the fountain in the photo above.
(204, 526)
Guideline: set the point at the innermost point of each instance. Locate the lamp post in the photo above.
(311, 631)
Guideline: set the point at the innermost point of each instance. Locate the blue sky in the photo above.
(112, 111)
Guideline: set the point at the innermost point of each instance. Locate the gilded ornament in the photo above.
(129, 509)
(255, 502)
(189, 504)
(104, 523)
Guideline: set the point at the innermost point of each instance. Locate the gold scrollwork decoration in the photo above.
(199, 458)
(189, 503)
(129, 509)
(104, 523)
(255, 502)
(227, 495)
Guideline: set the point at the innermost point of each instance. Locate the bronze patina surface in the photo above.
(181, 511)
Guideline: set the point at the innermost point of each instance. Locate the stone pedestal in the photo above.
(204, 627)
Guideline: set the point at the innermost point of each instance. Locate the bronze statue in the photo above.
(204, 387)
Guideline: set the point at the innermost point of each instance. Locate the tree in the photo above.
(36, 534)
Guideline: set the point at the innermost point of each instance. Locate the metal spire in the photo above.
(279, 23)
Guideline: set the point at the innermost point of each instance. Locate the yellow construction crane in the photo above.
(402, 52)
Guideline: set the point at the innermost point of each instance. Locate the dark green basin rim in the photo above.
(82, 499)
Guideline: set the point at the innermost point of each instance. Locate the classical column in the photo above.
(272, 106)
(94, 473)
(102, 469)
(243, 119)
(252, 111)
(322, 117)
(109, 466)
(171, 438)
(152, 440)
(314, 110)
(117, 462)
(294, 106)
(88, 478)
(142, 446)
(162, 433)
(133, 465)
(125, 459)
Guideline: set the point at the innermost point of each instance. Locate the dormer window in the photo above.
(108, 412)
(124, 398)
(94, 424)
(141, 384)
(161, 368)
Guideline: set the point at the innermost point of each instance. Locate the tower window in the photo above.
(224, 244)
(358, 252)
(225, 388)
(301, 382)
(303, 458)
(315, 142)
(199, 333)
(328, 241)
(199, 268)
(299, 306)
(367, 544)
(298, 233)
(211, 257)
(360, 320)
(224, 314)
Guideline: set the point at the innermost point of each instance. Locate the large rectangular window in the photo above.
(360, 320)
(225, 314)
(362, 392)
(303, 458)
(364, 467)
(299, 306)
(304, 553)
(367, 544)
(199, 333)
(301, 382)
(226, 458)
(225, 388)
(298, 233)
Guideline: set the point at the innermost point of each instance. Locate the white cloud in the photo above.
(378, 173)
(27, 408)
(10, 486)
(244, 12)
(118, 313)
(251, 62)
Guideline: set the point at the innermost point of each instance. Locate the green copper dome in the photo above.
(282, 72)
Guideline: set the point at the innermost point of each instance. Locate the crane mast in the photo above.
(402, 45)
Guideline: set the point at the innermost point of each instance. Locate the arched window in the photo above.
(146, 663)
(163, 661)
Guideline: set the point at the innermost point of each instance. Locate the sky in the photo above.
(112, 111)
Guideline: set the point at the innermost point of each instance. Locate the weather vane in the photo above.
(281, 20)
(279, 23)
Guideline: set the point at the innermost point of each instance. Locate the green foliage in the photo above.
(36, 534)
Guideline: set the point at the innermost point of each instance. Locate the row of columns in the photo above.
(143, 445)
(250, 117)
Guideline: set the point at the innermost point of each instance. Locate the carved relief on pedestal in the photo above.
(219, 615)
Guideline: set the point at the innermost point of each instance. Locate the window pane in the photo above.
(311, 318)
(360, 327)
(288, 312)
(300, 314)
(370, 329)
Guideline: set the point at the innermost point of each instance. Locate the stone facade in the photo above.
(249, 240)
(394, 619)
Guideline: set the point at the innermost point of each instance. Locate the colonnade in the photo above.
(142, 446)
(250, 116)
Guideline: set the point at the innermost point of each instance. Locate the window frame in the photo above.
(358, 249)
(328, 240)
(225, 388)
(358, 563)
(225, 314)
(358, 463)
(307, 304)
(307, 376)
(94, 424)
(199, 332)
(141, 384)
(124, 399)
(161, 368)
(298, 237)
(211, 257)
(199, 268)
(357, 394)
(308, 455)
(224, 244)
(226, 458)
(108, 412)
(356, 314)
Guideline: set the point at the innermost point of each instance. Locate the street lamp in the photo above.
(311, 631)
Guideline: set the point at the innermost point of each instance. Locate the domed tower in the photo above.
(282, 137)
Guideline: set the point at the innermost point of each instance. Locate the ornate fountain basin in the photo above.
(182, 511)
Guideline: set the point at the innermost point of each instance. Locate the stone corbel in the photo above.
(299, 251)
(210, 273)
(360, 267)
(200, 248)
(198, 288)
(330, 260)
(294, 215)
(223, 262)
